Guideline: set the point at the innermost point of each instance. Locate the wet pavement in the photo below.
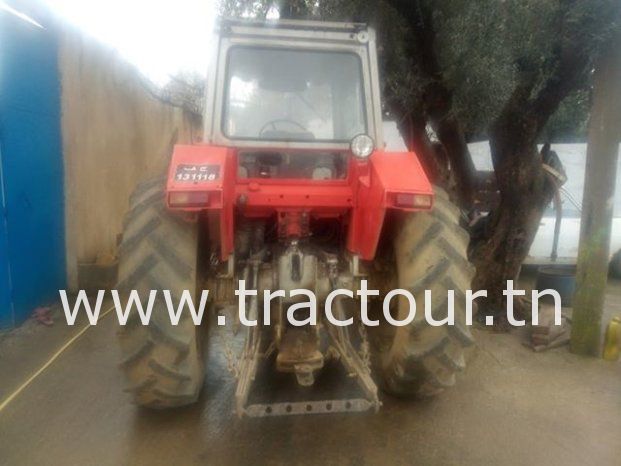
(511, 406)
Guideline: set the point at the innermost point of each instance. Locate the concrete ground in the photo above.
(512, 406)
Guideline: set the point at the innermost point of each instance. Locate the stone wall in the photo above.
(115, 134)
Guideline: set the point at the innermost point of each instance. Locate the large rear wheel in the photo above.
(161, 362)
(430, 252)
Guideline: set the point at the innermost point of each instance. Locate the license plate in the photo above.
(197, 173)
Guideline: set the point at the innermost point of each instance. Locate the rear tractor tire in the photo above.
(162, 363)
(430, 252)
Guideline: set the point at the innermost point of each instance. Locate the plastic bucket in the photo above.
(561, 278)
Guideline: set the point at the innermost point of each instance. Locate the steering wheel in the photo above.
(272, 124)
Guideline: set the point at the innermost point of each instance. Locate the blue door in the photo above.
(6, 309)
(32, 251)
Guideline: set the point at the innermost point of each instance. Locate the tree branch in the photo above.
(437, 96)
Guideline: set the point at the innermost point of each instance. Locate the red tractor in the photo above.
(292, 189)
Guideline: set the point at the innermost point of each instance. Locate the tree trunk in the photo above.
(524, 194)
(293, 9)
(524, 188)
(463, 171)
(413, 129)
(437, 98)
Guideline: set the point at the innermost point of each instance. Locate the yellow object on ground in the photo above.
(612, 344)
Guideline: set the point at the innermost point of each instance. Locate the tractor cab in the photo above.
(294, 86)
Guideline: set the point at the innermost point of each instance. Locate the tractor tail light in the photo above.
(413, 201)
(188, 198)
